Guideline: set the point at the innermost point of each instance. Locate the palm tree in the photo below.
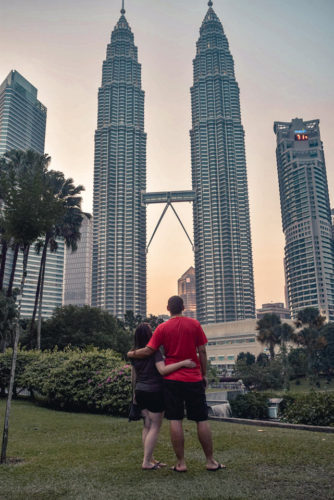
(66, 227)
(26, 213)
(269, 332)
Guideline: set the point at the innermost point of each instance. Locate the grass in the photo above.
(83, 456)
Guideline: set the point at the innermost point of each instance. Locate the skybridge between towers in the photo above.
(168, 197)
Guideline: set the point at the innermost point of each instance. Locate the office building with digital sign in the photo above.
(186, 288)
(306, 217)
(119, 218)
(222, 237)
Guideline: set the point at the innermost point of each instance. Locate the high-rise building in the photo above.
(223, 249)
(78, 268)
(186, 288)
(22, 116)
(22, 126)
(277, 308)
(332, 213)
(119, 219)
(306, 217)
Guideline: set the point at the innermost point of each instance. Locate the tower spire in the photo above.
(122, 10)
(210, 3)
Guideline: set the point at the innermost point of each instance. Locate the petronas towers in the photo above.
(222, 241)
(119, 227)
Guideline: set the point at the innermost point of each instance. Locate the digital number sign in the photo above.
(301, 135)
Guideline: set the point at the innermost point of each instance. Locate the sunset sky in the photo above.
(283, 54)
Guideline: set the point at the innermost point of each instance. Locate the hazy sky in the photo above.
(283, 53)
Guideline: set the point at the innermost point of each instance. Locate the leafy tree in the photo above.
(212, 373)
(287, 334)
(257, 377)
(309, 335)
(297, 359)
(269, 332)
(247, 357)
(81, 327)
(327, 354)
(131, 321)
(262, 359)
(153, 321)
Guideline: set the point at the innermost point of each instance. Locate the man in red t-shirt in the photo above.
(183, 338)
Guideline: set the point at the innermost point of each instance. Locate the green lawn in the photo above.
(82, 456)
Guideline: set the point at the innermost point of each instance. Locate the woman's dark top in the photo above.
(147, 376)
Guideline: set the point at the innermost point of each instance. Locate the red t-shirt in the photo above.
(180, 336)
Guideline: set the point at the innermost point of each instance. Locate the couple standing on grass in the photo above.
(183, 384)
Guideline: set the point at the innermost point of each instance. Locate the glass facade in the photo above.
(22, 126)
(306, 217)
(223, 249)
(22, 116)
(78, 268)
(119, 219)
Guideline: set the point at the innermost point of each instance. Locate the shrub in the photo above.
(81, 381)
(315, 408)
(251, 405)
(24, 359)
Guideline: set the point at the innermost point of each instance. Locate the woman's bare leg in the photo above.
(151, 438)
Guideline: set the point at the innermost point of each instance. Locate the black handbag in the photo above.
(134, 413)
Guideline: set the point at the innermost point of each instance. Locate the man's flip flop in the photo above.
(174, 469)
(219, 466)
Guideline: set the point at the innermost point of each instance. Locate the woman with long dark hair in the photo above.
(148, 375)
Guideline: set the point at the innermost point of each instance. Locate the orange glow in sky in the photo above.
(284, 66)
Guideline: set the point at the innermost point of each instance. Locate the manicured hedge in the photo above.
(95, 380)
(315, 408)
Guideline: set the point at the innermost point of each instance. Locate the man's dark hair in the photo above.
(175, 304)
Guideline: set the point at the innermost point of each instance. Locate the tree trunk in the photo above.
(272, 350)
(39, 325)
(3, 261)
(13, 366)
(38, 288)
(12, 274)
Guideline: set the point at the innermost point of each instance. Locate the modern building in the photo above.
(306, 217)
(186, 288)
(78, 268)
(22, 116)
(227, 340)
(119, 219)
(22, 126)
(222, 236)
(277, 308)
(332, 213)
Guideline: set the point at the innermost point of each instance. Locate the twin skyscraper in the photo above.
(222, 239)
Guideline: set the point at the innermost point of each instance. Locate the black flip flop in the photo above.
(219, 467)
(174, 469)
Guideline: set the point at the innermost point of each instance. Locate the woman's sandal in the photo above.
(154, 467)
(160, 464)
(219, 466)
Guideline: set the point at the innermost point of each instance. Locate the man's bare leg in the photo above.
(177, 439)
(205, 438)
